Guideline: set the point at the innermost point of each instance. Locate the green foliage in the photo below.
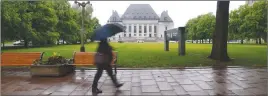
(43, 22)
(201, 27)
(249, 22)
(246, 22)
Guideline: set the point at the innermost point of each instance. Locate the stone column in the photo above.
(166, 41)
(147, 29)
(132, 30)
(138, 28)
(152, 30)
(181, 46)
(142, 30)
(126, 30)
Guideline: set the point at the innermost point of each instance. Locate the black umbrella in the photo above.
(107, 30)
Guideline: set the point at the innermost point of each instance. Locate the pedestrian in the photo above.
(103, 59)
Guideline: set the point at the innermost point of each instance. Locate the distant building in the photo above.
(141, 23)
(250, 2)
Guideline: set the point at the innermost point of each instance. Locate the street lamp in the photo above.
(89, 9)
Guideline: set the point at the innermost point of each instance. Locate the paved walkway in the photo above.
(233, 81)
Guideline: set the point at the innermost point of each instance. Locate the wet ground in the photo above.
(231, 81)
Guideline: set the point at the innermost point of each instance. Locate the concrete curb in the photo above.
(205, 67)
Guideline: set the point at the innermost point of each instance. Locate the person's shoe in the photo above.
(119, 85)
(96, 91)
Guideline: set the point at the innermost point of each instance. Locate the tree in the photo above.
(201, 27)
(67, 26)
(9, 19)
(219, 46)
(44, 21)
(206, 26)
(258, 17)
(249, 22)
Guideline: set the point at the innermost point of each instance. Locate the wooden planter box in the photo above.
(51, 70)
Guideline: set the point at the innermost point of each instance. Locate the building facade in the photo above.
(250, 2)
(141, 23)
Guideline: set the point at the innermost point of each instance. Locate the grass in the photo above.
(142, 55)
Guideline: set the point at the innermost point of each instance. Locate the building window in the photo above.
(144, 34)
(155, 35)
(155, 29)
(134, 34)
(139, 34)
(129, 28)
(135, 29)
(150, 28)
(140, 29)
(125, 27)
(114, 19)
(150, 35)
(129, 35)
(145, 29)
(125, 35)
(161, 35)
(165, 18)
(166, 28)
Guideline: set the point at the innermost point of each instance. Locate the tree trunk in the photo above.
(3, 44)
(192, 41)
(208, 40)
(219, 47)
(242, 41)
(58, 43)
(196, 41)
(257, 41)
(26, 43)
(63, 41)
(202, 41)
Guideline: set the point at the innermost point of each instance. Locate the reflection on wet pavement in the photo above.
(230, 81)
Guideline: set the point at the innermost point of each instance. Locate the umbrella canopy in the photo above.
(107, 30)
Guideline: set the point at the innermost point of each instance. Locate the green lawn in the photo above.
(143, 55)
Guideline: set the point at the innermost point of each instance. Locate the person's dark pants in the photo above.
(100, 69)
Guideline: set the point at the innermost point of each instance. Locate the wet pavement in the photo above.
(231, 81)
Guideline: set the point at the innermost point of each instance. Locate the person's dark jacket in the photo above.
(106, 49)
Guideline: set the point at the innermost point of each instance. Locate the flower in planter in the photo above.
(55, 59)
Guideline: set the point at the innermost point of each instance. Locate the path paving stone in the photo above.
(136, 79)
(160, 79)
(79, 92)
(136, 91)
(243, 92)
(151, 94)
(199, 93)
(179, 90)
(170, 79)
(136, 84)
(203, 85)
(127, 86)
(151, 88)
(191, 87)
(164, 86)
(166, 93)
(186, 82)
(146, 77)
(148, 82)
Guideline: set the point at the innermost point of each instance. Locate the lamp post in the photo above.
(90, 10)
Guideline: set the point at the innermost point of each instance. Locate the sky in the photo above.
(179, 11)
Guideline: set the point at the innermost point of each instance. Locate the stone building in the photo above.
(141, 23)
